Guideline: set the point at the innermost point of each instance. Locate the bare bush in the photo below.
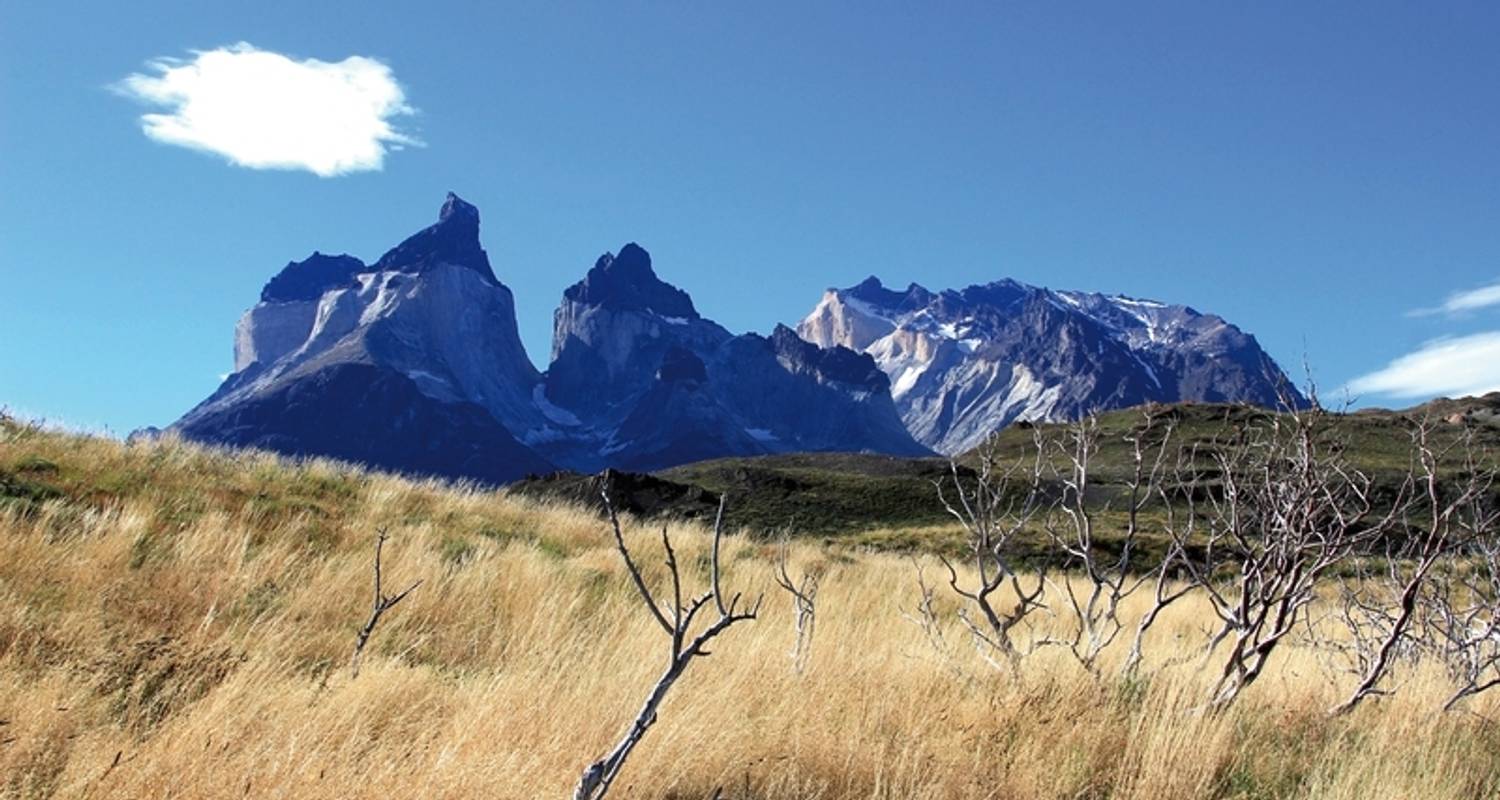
(1393, 612)
(1048, 492)
(1289, 510)
(676, 620)
(804, 594)
(381, 604)
(995, 504)
(1456, 619)
(1108, 578)
(930, 622)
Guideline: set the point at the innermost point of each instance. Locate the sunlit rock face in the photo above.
(965, 363)
(433, 334)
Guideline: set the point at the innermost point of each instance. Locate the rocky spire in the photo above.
(309, 278)
(626, 282)
(872, 291)
(453, 240)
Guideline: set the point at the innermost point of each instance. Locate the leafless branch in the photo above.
(677, 622)
(1290, 510)
(994, 505)
(1107, 580)
(1383, 612)
(804, 593)
(381, 604)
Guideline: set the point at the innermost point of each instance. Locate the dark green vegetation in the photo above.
(892, 503)
(814, 494)
(1377, 441)
(823, 493)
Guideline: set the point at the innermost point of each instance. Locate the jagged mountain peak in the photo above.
(309, 278)
(837, 363)
(872, 291)
(655, 383)
(454, 206)
(632, 262)
(964, 362)
(626, 282)
(422, 340)
(1000, 293)
(453, 239)
(421, 348)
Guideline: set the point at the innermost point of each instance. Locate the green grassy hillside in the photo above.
(889, 501)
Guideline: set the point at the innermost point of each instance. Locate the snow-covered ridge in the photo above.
(964, 362)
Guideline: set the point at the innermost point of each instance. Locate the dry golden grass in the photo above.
(175, 623)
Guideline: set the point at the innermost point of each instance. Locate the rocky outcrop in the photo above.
(799, 397)
(452, 241)
(611, 332)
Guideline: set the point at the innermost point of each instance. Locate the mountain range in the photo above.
(413, 363)
(964, 363)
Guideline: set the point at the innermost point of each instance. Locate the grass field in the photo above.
(178, 623)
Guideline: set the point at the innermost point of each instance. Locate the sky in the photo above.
(1326, 178)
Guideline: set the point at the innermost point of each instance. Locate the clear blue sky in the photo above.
(1311, 174)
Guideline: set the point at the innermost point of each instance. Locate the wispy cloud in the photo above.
(1460, 302)
(1460, 366)
(263, 110)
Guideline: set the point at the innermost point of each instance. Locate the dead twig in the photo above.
(382, 603)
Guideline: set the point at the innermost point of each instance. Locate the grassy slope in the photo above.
(174, 623)
(822, 493)
(891, 501)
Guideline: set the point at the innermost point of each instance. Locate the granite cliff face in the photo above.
(336, 348)
(413, 363)
(653, 383)
(964, 363)
(611, 332)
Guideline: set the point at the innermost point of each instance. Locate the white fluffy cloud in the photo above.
(1455, 367)
(1471, 300)
(263, 110)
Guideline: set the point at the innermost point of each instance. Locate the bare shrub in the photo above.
(1108, 578)
(804, 594)
(381, 604)
(1458, 605)
(1391, 612)
(677, 622)
(930, 622)
(1048, 491)
(1288, 510)
(995, 504)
